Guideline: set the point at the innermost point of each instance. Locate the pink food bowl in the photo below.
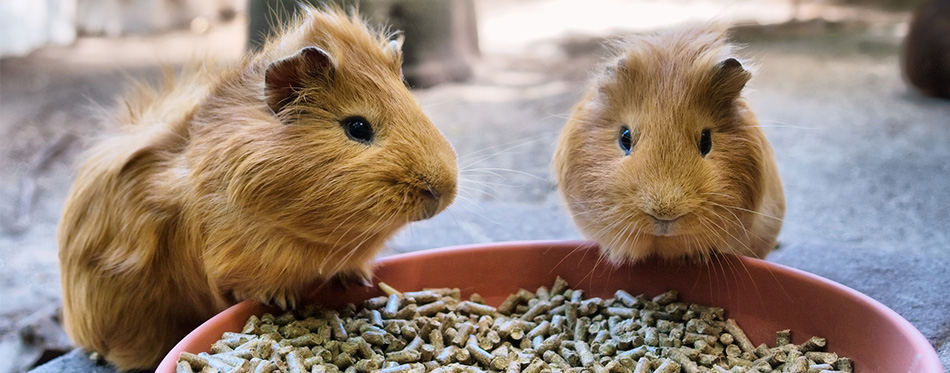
(763, 297)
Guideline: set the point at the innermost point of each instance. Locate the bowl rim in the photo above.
(927, 359)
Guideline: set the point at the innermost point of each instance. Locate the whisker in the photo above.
(465, 162)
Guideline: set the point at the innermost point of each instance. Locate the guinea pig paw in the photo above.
(284, 301)
(358, 279)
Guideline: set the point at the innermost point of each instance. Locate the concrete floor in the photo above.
(863, 159)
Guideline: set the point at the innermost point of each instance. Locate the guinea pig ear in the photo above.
(611, 70)
(395, 46)
(729, 78)
(285, 78)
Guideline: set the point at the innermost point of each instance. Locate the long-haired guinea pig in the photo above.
(662, 155)
(252, 181)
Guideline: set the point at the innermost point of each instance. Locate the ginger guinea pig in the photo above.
(662, 155)
(252, 181)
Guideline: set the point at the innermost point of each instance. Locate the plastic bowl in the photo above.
(763, 297)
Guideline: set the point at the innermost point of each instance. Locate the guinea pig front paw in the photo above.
(283, 300)
(346, 280)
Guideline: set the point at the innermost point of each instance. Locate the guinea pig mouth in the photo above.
(662, 227)
(431, 203)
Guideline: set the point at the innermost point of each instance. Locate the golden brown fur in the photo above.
(668, 87)
(213, 191)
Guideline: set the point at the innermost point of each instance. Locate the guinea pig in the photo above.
(663, 157)
(257, 180)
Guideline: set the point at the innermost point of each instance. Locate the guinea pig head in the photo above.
(345, 155)
(360, 148)
(662, 158)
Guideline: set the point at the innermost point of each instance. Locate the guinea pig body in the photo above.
(662, 156)
(252, 181)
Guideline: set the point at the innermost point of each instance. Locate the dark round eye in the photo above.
(705, 142)
(626, 140)
(358, 129)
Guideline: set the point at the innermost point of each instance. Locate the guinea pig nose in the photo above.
(664, 217)
(430, 192)
(432, 200)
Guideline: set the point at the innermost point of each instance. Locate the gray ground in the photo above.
(863, 159)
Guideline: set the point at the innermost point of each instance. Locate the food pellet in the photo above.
(554, 329)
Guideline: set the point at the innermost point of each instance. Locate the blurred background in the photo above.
(848, 92)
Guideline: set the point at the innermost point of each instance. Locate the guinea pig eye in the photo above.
(705, 142)
(358, 129)
(626, 140)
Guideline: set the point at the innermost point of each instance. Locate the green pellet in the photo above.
(667, 297)
(818, 368)
(798, 365)
(643, 366)
(540, 330)
(452, 354)
(264, 366)
(462, 336)
(614, 366)
(577, 295)
(406, 313)
(511, 303)
(543, 294)
(220, 347)
(553, 329)
(536, 366)
(422, 297)
(553, 358)
(667, 366)
(432, 308)
(195, 361)
(624, 312)
(396, 369)
(183, 367)
(376, 318)
(844, 364)
(470, 307)
(822, 357)
(435, 339)
(392, 306)
(708, 312)
(375, 303)
(570, 355)
(560, 286)
(783, 337)
(375, 338)
(538, 309)
(513, 367)
(744, 343)
(284, 318)
(813, 344)
(590, 306)
(366, 365)
(295, 362)
(685, 362)
(584, 352)
(219, 364)
(336, 326)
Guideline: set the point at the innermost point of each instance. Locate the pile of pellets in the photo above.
(550, 330)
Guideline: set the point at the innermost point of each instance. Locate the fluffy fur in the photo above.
(665, 198)
(238, 182)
